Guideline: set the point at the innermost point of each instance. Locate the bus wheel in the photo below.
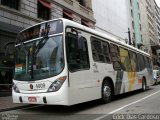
(144, 86)
(156, 82)
(106, 92)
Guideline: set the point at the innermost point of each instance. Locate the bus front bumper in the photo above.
(51, 98)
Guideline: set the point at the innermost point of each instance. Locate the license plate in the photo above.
(32, 99)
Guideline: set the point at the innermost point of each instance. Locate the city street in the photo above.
(64, 52)
(138, 103)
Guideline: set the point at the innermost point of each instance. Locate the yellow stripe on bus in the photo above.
(131, 80)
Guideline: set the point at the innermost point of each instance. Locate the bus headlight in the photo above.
(56, 85)
(15, 88)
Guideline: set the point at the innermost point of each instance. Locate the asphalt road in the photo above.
(134, 105)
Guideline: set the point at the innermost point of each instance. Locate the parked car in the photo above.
(156, 76)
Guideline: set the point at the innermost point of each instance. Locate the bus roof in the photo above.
(77, 25)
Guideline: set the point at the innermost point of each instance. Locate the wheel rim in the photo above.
(106, 91)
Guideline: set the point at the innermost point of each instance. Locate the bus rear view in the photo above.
(40, 65)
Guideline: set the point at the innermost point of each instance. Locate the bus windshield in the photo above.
(39, 59)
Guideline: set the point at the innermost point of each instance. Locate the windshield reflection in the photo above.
(39, 59)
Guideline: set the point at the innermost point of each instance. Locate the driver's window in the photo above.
(77, 52)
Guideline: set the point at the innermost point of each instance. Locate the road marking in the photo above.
(114, 111)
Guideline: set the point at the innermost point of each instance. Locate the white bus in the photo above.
(61, 62)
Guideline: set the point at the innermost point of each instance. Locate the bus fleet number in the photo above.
(40, 85)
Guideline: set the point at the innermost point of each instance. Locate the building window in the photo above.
(138, 5)
(81, 2)
(67, 15)
(134, 36)
(140, 27)
(139, 16)
(84, 22)
(132, 13)
(132, 24)
(44, 9)
(131, 2)
(11, 3)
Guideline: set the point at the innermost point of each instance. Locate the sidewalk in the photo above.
(7, 104)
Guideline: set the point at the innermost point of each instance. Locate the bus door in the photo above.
(80, 75)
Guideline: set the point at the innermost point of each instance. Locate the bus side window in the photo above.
(97, 50)
(125, 59)
(83, 52)
(106, 52)
(77, 52)
(147, 63)
(141, 62)
(114, 53)
(100, 50)
(134, 62)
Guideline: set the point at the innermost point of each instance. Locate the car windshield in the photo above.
(39, 59)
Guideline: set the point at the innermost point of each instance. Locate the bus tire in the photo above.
(156, 82)
(106, 92)
(144, 85)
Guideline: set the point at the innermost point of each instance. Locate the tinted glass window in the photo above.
(125, 60)
(100, 50)
(39, 59)
(106, 52)
(115, 57)
(77, 52)
(41, 30)
(43, 11)
(147, 62)
(11, 3)
(134, 63)
(97, 50)
(141, 62)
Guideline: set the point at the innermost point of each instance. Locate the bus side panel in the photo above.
(134, 80)
(82, 88)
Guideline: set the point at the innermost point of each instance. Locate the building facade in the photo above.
(112, 17)
(135, 23)
(157, 25)
(144, 26)
(150, 42)
(16, 15)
